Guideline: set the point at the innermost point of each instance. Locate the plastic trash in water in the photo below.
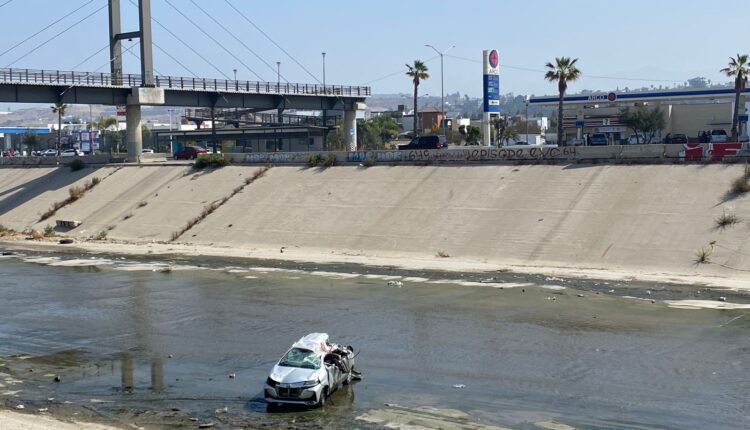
(398, 284)
(459, 386)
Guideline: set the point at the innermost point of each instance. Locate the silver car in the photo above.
(310, 372)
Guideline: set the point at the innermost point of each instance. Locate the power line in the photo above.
(55, 36)
(1, 5)
(395, 73)
(526, 69)
(273, 41)
(239, 40)
(184, 43)
(45, 28)
(214, 40)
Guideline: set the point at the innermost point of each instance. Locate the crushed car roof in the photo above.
(315, 342)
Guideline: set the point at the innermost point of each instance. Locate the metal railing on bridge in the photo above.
(90, 79)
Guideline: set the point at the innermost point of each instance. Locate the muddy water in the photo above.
(156, 349)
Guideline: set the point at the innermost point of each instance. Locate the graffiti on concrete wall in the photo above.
(464, 154)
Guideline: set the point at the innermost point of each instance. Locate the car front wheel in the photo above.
(322, 399)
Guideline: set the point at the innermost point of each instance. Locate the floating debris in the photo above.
(398, 284)
(722, 299)
(459, 386)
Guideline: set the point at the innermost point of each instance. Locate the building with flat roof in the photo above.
(687, 111)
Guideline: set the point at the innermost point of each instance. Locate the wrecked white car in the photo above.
(310, 372)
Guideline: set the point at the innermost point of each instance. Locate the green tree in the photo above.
(739, 68)
(31, 140)
(375, 132)
(59, 108)
(104, 122)
(643, 120)
(418, 73)
(470, 133)
(563, 71)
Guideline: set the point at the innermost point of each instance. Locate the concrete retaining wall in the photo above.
(638, 218)
(474, 154)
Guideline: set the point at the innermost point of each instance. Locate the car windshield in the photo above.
(303, 358)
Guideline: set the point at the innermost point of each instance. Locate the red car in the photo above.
(189, 153)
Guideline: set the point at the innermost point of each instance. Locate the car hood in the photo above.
(292, 375)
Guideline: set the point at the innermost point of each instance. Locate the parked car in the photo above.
(147, 151)
(718, 136)
(678, 138)
(49, 152)
(426, 142)
(598, 139)
(310, 372)
(189, 153)
(72, 152)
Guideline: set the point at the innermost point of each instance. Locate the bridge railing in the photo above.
(93, 79)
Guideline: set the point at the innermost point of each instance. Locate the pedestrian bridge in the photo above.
(51, 86)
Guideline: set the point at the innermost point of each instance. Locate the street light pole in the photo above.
(325, 112)
(527, 119)
(278, 76)
(442, 92)
(171, 150)
(235, 74)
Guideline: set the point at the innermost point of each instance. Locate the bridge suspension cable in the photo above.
(214, 40)
(1, 5)
(239, 40)
(55, 36)
(45, 28)
(184, 43)
(273, 41)
(97, 70)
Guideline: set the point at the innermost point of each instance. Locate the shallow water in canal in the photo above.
(127, 338)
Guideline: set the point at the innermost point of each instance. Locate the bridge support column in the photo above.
(8, 141)
(133, 135)
(350, 129)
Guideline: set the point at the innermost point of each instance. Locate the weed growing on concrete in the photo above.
(210, 208)
(76, 165)
(102, 235)
(127, 217)
(741, 185)
(111, 227)
(74, 193)
(727, 219)
(369, 161)
(210, 160)
(142, 204)
(442, 254)
(703, 256)
(5, 231)
(316, 160)
(49, 231)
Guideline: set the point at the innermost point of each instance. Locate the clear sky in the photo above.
(662, 41)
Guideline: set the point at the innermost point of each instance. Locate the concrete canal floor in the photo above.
(134, 344)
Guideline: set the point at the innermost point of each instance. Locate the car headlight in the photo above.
(310, 383)
(271, 382)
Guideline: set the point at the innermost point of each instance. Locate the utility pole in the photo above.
(170, 130)
(235, 74)
(442, 92)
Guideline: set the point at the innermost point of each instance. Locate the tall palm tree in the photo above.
(418, 72)
(563, 71)
(739, 68)
(59, 108)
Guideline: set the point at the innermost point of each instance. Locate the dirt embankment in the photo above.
(647, 222)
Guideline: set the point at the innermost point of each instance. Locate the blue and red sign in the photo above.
(491, 84)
